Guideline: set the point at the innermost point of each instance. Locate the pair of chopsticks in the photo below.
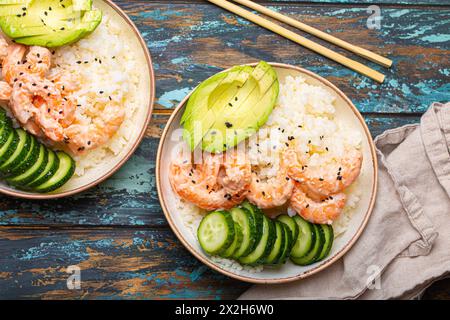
(352, 64)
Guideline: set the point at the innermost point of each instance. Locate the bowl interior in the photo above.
(140, 118)
(346, 113)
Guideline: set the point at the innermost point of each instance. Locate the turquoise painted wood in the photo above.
(416, 38)
(116, 232)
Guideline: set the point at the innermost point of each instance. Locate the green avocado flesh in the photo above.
(48, 23)
(229, 107)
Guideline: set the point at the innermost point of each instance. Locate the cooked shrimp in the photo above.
(37, 100)
(37, 61)
(5, 91)
(322, 212)
(24, 93)
(81, 137)
(12, 65)
(3, 48)
(198, 183)
(235, 174)
(65, 82)
(273, 192)
(329, 178)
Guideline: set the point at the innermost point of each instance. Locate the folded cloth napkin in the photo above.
(406, 244)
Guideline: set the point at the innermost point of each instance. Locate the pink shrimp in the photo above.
(273, 192)
(323, 211)
(37, 61)
(3, 48)
(37, 100)
(12, 65)
(81, 137)
(5, 91)
(198, 183)
(65, 82)
(325, 179)
(235, 174)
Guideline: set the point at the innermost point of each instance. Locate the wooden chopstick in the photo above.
(352, 64)
(320, 34)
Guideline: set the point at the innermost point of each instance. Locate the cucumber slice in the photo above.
(9, 147)
(62, 175)
(246, 221)
(306, 238)
(287, 244)
(312, 256)
(264, 246)
(278, 246)
(329, 238)
(216, 232)
(48, 172)
(33, 172)
(236, 243)
(5, 130)
(258, 216)
(19, 154)
(290, 222)
(28, 161)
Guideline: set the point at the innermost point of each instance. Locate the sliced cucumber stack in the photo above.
(246, 221)
(245, 234)
(313, 243)
(27, 164)
(264, 246)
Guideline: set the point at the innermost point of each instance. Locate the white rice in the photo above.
(306, 113)
(107, 68)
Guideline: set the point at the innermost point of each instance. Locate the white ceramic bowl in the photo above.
(141, 118)
(345, 112)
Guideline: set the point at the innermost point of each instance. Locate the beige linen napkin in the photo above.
(407, 239)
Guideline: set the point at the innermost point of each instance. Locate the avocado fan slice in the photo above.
(49, 23)
(202, 116)
(246, 112)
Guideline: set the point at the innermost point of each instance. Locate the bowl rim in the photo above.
(317, 268)
(31, 196)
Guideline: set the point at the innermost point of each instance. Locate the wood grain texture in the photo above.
(115, 263)
(116, 232)
(189, 43)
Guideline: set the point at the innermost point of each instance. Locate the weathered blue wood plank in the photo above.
(192, 42)
(115, 263)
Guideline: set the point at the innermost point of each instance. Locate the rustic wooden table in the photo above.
(117, 234)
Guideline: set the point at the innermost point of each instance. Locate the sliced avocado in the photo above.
(11, 10)
(245, 112)
(200, 112)
(89, 23)
(49, 22)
